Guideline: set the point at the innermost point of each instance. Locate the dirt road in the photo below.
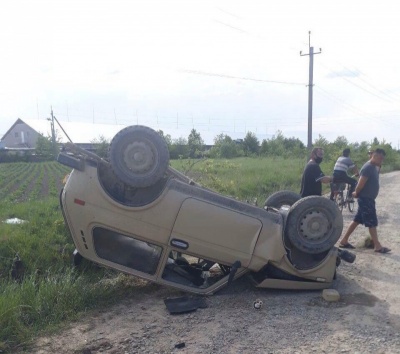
(365, 320)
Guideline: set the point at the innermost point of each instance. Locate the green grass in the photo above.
(245, 178)
(52, 290)
(43, 302)
(254, 178)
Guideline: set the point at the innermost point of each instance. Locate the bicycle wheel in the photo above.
(350, 204)
(339, 201)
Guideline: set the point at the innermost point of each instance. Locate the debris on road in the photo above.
(331, 295)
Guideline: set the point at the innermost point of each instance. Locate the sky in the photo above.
(218, 66)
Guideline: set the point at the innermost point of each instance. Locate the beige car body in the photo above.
(183, 218)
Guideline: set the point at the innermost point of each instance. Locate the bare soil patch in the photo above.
(44, 190)
(365, 320)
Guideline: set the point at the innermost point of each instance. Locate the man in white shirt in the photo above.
(342, 165)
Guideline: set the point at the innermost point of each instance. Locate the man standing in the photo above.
(342, 165)
(370, 152)
(366, 191)
(313, 176)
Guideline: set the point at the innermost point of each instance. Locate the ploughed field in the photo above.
(22, 182)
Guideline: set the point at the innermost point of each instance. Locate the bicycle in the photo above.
(341, 196)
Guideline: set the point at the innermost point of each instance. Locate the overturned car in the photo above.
(135, 213)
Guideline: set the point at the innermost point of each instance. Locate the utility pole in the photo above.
(53, 134)
(310, 88)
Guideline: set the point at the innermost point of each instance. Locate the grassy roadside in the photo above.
(50, 290)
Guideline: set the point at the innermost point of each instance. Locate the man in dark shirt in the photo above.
(367, 190)
(313, 176)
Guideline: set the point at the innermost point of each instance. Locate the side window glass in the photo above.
(127, 251)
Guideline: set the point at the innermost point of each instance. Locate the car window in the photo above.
(126, 250)
(191, 271)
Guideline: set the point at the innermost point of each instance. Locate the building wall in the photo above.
(21, 135)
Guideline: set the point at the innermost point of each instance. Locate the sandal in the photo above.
(383, 250)
(347, 245)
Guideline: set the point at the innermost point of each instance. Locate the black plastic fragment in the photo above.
(184, 304)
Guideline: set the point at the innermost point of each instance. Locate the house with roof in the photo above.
(20, 136)
(23, 134)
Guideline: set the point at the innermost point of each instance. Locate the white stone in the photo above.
(330, 295)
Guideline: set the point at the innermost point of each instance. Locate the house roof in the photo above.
(18, 121)
(78, 132)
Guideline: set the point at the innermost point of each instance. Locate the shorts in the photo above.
(366, 213)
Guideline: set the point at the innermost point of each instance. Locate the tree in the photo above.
(294, 147)
(321, 142)
(225, 147)
(341, 142)
(251, 144)
(167, 138)
(196, 144)
(278, 145)
(101, 145)
(179, 149)
(274, 146)
(44, 147)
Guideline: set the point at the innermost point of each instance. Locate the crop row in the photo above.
(30, 181)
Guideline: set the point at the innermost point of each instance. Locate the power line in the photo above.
(367, 83)
(198, 72)
(352, 108)
(387, 99)
(189, 120)
(340, 101)
(356, 85)
(235, 128)
(228, 13)
(205, 120)
(343, 103)
(233, 27)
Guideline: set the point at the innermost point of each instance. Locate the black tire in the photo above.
(139, 156)
(314, 224)
(282, 199)
(339, 201)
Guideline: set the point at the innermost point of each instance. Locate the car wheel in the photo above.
(139, 156)
(314, 224)
(282, 199)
